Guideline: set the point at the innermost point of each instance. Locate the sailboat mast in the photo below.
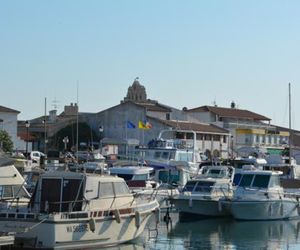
(77, 130)
(45, 127)
(290, 126)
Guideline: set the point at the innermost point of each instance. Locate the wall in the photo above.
(9, 124)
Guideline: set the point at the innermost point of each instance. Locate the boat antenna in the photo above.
(77, 133)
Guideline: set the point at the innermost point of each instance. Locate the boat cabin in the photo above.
(12, 187)
(135, 176)
(216, 172)
(69, 191)
(257, 179)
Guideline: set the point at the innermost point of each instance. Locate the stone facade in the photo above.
(136, 92)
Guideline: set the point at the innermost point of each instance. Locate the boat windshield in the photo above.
(216, 173)
(7, 192)
(167, 176)
(204, 186)
(246, 180)
(189, 186)
(261, 181)
(184, 156)
(254, 180)
(140, 177)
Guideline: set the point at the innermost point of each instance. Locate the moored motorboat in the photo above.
(138, 178)
(13, 193)
(259, 196)
(71, 210)
(201, 196)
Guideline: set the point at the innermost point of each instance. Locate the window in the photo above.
(257, 138)
(236, 179)
(184, 156)
(189, 186)
(274, 181)
(106, 189)
(224, 139)
(7, 192)
(207, 137)
(19, 191)
(199, 137)
(205, 186)
(157, 155)
(165, 155)
(167, 116)
(216, 137)
(246, 180)
(270, 139)
(121, 188)
(140, 177)
(261, 181)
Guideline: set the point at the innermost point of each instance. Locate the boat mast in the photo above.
(77, 132)
(45, 127)
(290, 126)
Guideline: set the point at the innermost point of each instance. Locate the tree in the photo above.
(6, 143)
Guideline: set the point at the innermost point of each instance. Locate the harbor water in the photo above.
(222, 233)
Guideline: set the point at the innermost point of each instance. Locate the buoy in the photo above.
(92, 224)
(117, 215)
(137, 218)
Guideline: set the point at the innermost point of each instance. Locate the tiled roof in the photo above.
(8, 110)
(230, 113)
(197, 127)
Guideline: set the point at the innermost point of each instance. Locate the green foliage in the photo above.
(6, 143)
(285, 152)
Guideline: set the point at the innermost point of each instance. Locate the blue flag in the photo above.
(130, 124)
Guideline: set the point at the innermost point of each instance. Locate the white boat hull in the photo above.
(265, 209)
(76, 233)
(210, 208)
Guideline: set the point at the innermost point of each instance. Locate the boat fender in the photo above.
(117, 215)
(137, 218)
(92, 224)
(157, 215)
(190, 202)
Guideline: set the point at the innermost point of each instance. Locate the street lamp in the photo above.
(66, 141)
(101, 129)
(27, 125)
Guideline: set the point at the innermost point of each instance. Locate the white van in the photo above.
(35, 156)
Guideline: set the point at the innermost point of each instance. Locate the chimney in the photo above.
(71, 109)
(232, 105)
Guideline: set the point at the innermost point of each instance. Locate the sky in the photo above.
(186, 54)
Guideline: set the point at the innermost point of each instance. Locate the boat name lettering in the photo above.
(77, 228)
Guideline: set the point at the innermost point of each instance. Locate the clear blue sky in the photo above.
(186, 53)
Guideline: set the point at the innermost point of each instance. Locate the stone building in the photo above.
(135, 108)
(136, 92)
(9, 123)
(248, 129)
